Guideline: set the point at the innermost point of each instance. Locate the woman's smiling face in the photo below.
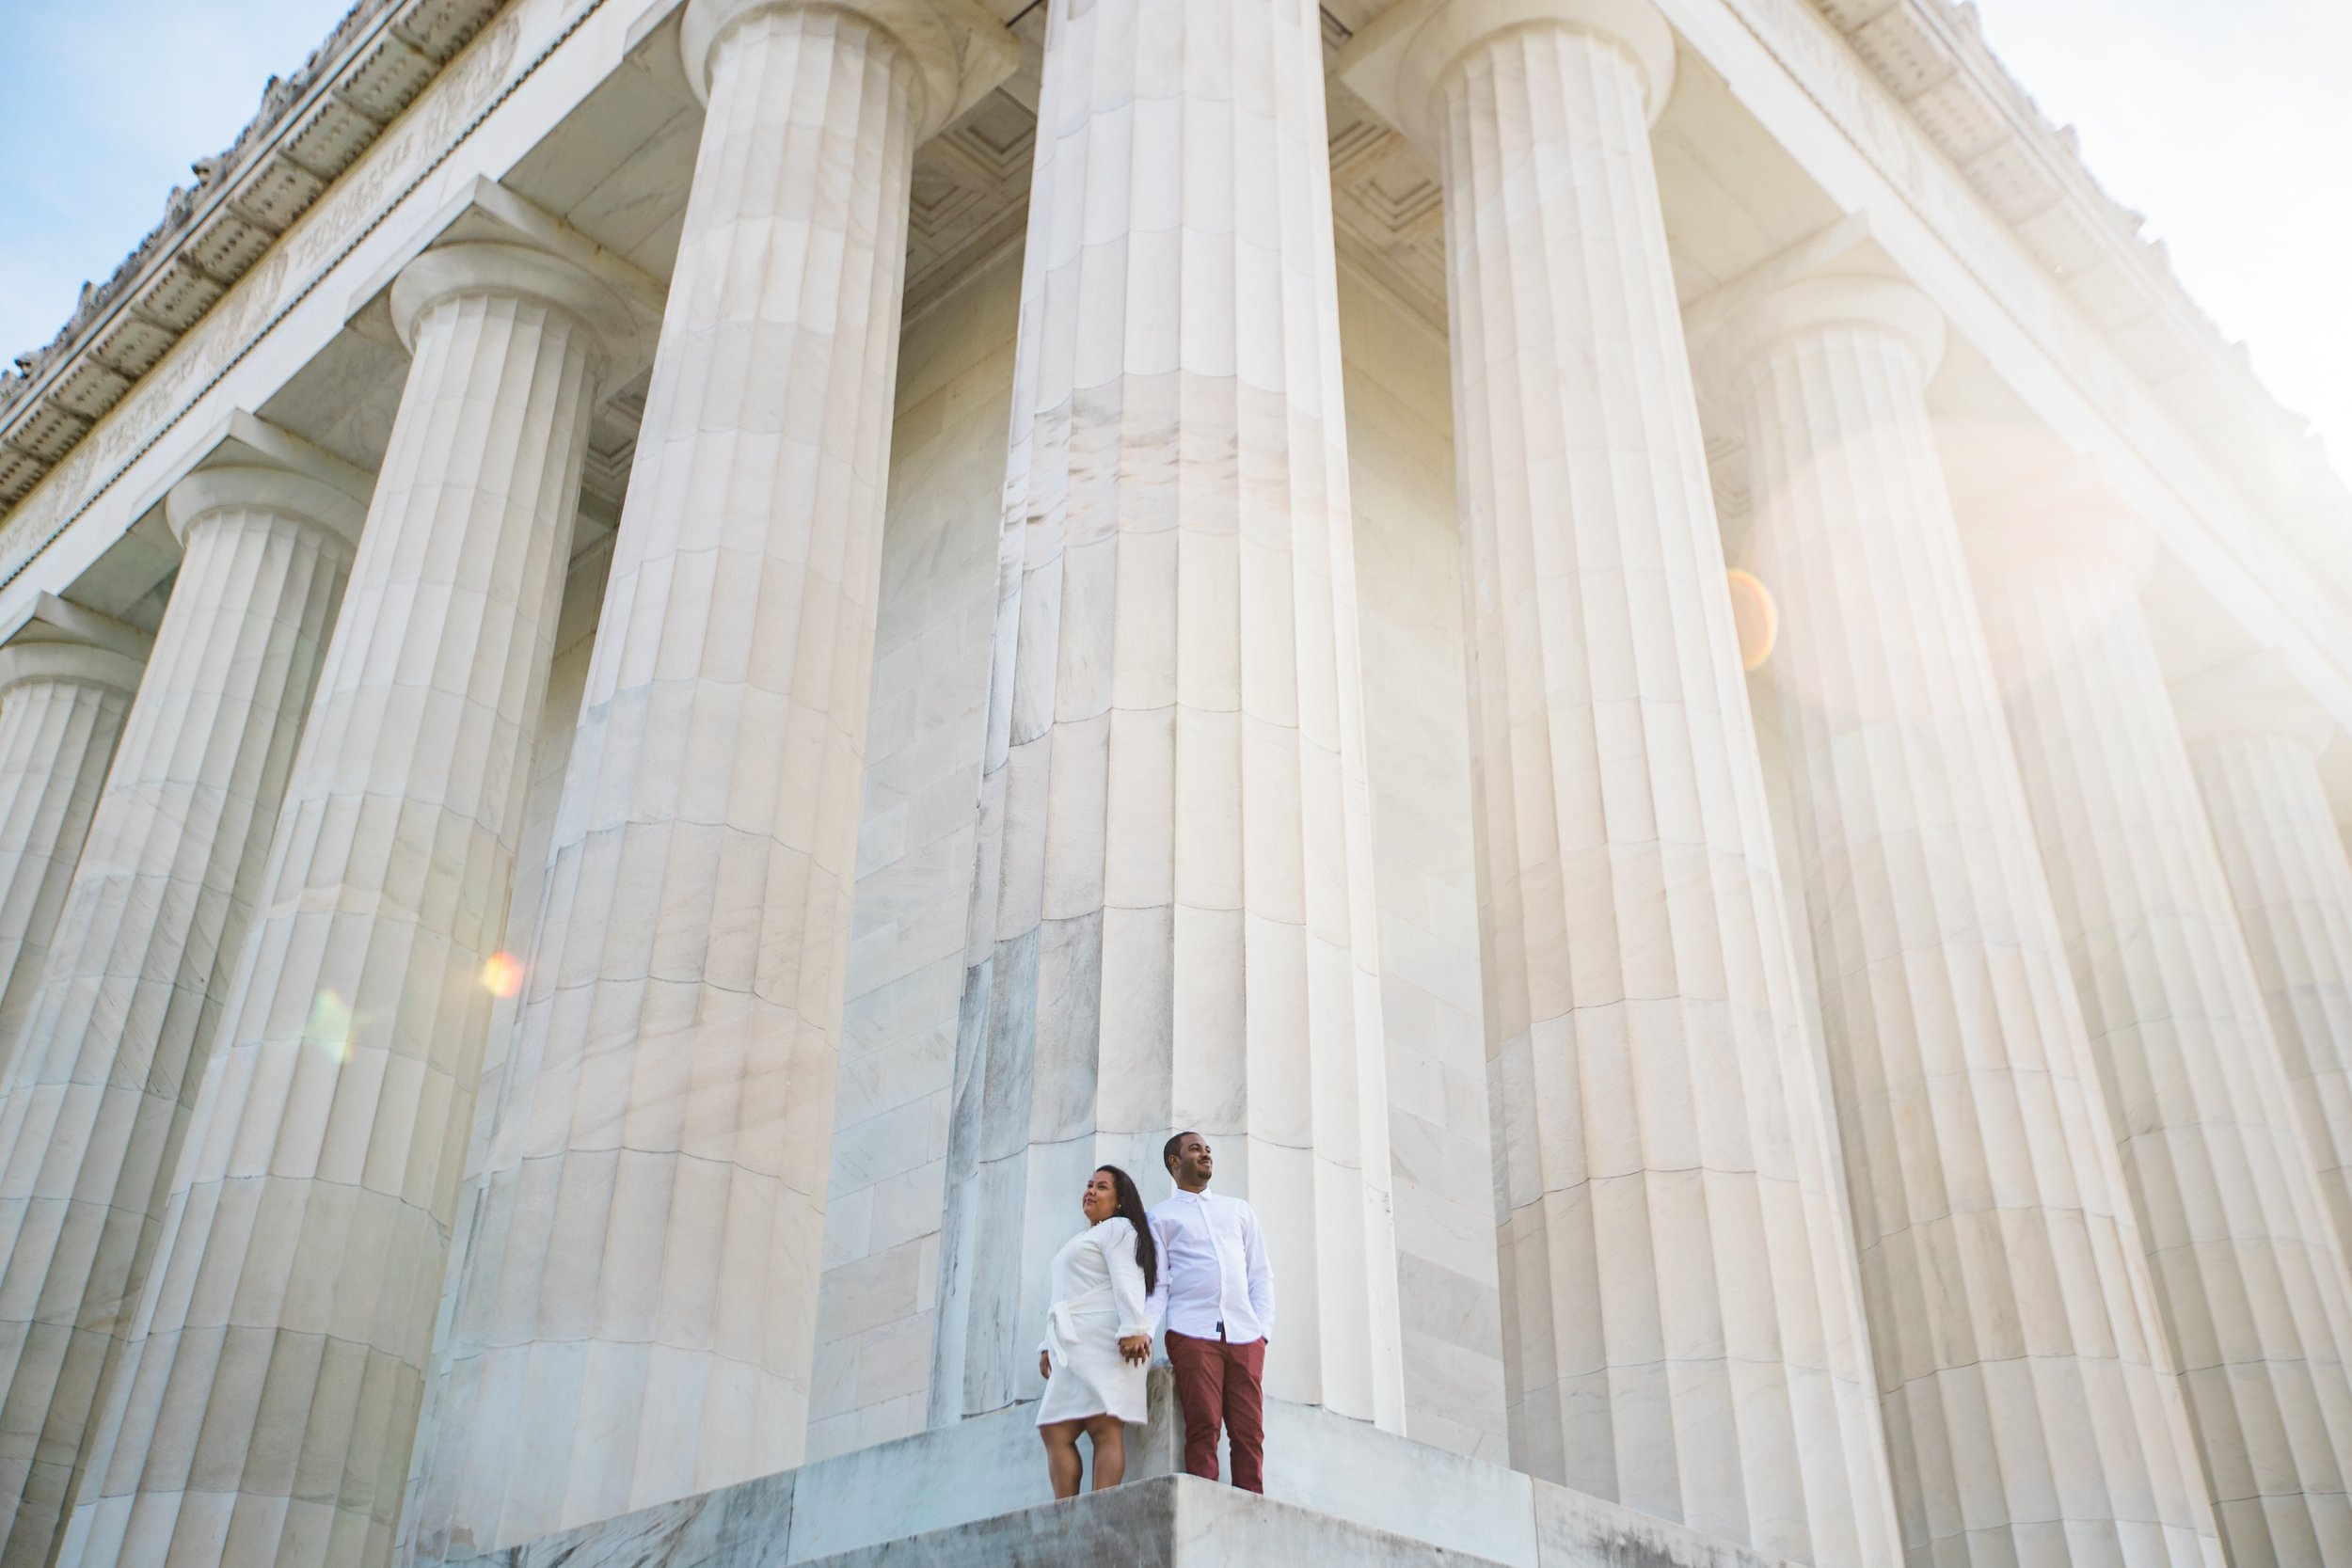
(1102, 1200)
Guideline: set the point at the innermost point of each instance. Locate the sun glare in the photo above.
(502, 974)
(1756, 617)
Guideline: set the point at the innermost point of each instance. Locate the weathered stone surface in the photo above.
(1172, 924)
(976, 1494)
(1167, 1522)
(638, 1328)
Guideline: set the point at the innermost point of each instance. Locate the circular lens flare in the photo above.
(329, 1027)
(1755, 616)
(502, 974)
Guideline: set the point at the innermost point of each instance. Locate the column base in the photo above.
(975, 1495)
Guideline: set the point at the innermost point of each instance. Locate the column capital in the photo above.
(1730, 327)
(58, 641)
(330, 508)
(2068, 515)
(621, 335)
(1397, 63)
(961, 52)
(2255, 696)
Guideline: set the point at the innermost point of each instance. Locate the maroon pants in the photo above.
(1218, 1386)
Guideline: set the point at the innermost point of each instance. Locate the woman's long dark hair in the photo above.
(1131, 1209)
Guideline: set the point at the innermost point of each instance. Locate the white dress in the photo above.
(1098, 1300)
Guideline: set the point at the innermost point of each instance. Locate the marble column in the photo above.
(1680, 1302)
(2254, 738)
(66, 683)
(1172, 924)
(265, 1404)
(2246, 1276)
(644, 1280)
(130, 996)
(2030, 1415)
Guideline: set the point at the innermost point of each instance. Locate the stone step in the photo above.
(1165, 1522)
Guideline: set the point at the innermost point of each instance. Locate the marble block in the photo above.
(975, 1494)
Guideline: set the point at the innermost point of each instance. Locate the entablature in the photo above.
(1891, 106)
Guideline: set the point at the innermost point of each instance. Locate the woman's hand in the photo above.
(1135, 1348)
(1045, 1364)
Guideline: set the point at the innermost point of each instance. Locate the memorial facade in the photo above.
(664, 662)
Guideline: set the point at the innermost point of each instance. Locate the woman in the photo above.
(1098, 1335)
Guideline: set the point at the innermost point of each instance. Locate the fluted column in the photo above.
(1172, 924)
(647, 1264)
(266, 1402)
(130, 996)
(63, 703)
(2246, 1276)
(2254, 738)
(1680, 1316)
(2029, 1413)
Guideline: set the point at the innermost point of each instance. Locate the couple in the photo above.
(1198, 1261)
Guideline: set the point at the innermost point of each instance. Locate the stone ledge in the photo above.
(1166, 1522)
(976, 1494)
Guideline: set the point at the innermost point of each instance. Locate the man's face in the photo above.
(1193, 1164)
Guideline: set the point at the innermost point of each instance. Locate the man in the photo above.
(1218, 1298)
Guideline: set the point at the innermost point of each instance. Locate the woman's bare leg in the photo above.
(1062, 1464)
(1111, 1450)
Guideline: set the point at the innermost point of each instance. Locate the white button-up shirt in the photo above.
(1212, 1272)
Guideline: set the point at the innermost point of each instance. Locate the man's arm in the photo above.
(1261, 1271)
(1155, 1304)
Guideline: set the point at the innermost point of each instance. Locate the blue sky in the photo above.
(2228, 124)
(108, 102)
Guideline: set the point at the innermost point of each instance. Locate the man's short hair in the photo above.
(1167, 1151)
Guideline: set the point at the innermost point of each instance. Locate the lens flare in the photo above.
(502, 974)
(1756, 617)
(329, 1027)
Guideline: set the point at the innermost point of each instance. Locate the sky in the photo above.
(2229, 124)
(108, 103)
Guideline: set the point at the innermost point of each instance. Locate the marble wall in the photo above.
(1400, 440)
(875, 1318)
(938, 606)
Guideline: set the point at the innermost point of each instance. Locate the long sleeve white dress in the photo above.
(1098, 1300)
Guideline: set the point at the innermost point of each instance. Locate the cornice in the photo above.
(1930, 56)
(311, 128)
(1925, 54)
